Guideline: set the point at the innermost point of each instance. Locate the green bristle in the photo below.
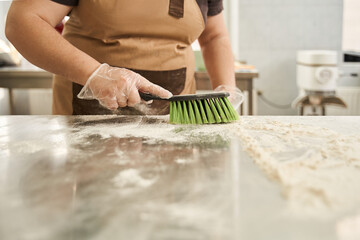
(220, 111)
(202, 112)
(172, 112)
(209, 114)
(215, 112)
(179, 116)
(191, 113)
(176, 113)
(234, 114)
(185, 119)
(226, 110)
(197, 112)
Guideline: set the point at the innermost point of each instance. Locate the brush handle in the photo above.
(149, 97)
(188, 97)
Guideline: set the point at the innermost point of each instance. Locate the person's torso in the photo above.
(151, 37)
(136, 34)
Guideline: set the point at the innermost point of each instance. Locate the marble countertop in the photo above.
(101, 177)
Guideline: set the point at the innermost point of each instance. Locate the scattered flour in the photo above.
(184, 161)
(154, 133)
(130, 181)
(27, 147)
(317, 168)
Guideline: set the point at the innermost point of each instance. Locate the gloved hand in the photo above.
(118, 87)
(236, 96)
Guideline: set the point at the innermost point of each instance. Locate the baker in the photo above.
(112, 49)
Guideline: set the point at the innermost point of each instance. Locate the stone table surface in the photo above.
(61, 179)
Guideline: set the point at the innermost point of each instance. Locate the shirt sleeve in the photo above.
(215, 7)
(67, 2)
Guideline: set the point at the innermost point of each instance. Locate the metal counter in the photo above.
(60, 180)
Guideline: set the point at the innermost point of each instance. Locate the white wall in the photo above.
(4, 6)
(270, 33)
(351, 26)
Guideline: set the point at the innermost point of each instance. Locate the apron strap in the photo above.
(176, 8)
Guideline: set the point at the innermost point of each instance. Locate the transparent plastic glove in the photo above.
(118, 87)
(236, 96)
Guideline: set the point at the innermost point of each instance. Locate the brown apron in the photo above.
(150, 37)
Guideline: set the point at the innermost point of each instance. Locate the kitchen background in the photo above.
(266, 34)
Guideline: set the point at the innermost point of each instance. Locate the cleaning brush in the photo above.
(198, 108)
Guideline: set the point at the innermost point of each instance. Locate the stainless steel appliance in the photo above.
(317, 75)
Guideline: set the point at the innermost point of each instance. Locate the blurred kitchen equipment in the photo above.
(351, 96)
(352, 56)
(317, 74)
(9, 56)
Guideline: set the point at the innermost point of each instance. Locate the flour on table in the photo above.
(318, 168)
(184, 161)
(153, 133)
(26, 147)
(130, 181)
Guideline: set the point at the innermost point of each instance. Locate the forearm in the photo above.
(219, 61)
(43, 46)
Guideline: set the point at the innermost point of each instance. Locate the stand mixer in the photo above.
(317, 73)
